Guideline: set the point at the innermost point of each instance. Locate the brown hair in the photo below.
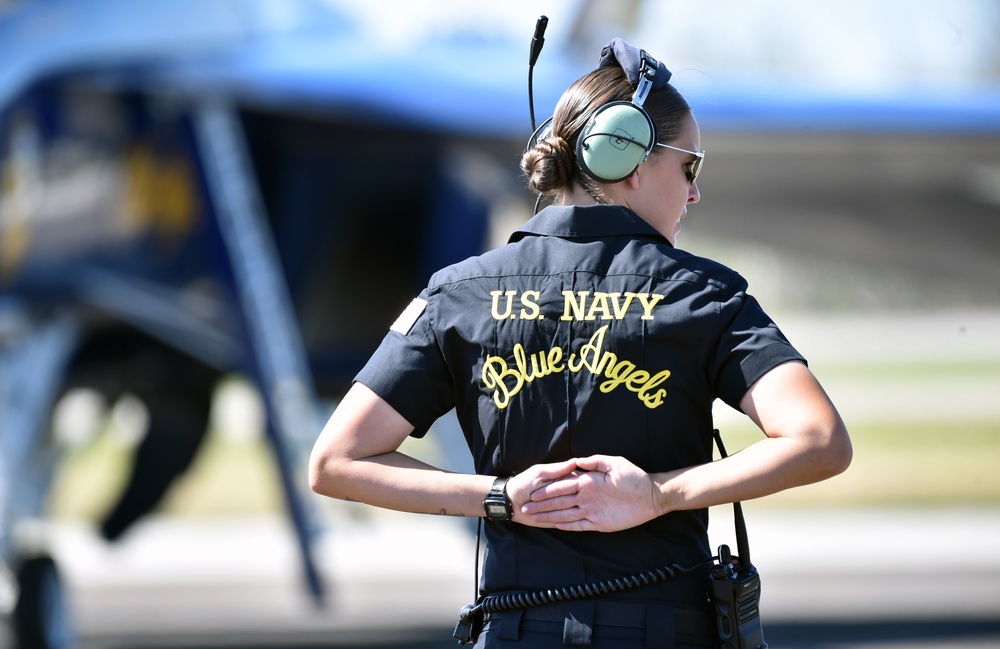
(551, 164)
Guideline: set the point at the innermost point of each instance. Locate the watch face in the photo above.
(497, 511)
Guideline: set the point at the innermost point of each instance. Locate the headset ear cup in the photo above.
(615, 141)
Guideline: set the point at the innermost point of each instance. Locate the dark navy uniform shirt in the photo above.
(588, 333)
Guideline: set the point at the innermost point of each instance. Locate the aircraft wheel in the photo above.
(41, 615)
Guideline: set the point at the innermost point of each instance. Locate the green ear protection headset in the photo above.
(620, 135)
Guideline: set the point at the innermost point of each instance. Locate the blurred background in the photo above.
(210, 212)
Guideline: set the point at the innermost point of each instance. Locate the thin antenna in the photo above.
(537, 41)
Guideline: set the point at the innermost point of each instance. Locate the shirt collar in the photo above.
(586, 222)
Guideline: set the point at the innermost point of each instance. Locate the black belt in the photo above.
(631, 615)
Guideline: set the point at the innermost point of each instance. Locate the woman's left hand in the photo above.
(605, 494)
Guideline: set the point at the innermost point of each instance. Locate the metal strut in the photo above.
(275, 339)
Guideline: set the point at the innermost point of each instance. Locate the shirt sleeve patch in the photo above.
(409, 316)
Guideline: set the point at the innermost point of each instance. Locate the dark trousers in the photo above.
(599, 624)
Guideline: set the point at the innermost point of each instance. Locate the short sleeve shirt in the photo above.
(587, 333)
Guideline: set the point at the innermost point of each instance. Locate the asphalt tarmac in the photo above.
(830, 580)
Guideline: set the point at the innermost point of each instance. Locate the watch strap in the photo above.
(499, 488)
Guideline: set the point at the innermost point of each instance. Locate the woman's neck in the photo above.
(580, 196)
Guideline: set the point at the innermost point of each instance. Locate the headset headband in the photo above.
(633, 61)
(647, 74)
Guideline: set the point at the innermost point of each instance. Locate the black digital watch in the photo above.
(497, 503)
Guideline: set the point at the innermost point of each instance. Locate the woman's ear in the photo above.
(633, 180)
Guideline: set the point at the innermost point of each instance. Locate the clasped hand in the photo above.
(599, 493)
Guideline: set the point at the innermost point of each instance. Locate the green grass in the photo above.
(896, 464)
(932, 369)
(229, 477)
(88, 479)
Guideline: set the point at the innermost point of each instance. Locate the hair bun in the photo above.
(548, 165)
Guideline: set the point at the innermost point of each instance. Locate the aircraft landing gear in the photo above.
(41, 615)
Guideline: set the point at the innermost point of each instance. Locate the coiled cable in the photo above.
(509, 601)
(471, 616)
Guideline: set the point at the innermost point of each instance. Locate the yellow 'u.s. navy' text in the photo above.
(577, 305)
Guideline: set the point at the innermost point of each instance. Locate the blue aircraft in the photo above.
(192, 190)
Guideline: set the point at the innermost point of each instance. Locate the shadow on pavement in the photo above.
(878, 633)
(833, 634)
